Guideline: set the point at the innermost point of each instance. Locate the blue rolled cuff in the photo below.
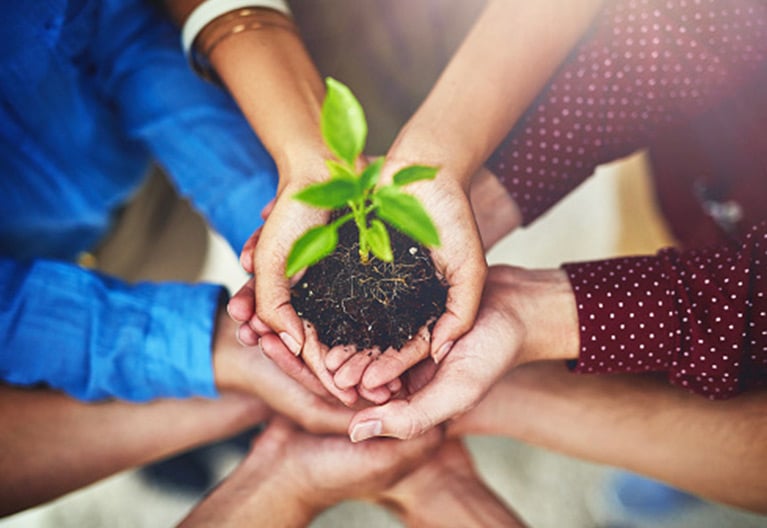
(95, 337)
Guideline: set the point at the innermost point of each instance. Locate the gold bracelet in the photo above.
(200, 60)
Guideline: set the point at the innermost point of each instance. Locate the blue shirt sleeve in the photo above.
(95, 337)
(194, 129)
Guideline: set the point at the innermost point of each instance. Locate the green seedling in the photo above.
(371, 206)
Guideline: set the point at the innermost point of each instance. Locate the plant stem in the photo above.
(360, 218)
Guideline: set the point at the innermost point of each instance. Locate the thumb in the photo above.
(406, 419)
(273, 307)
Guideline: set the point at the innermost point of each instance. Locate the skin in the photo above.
(525, 316)
(289, 388)
(446, 491)
(462, 120)
(497, 215)
(537, 414)
(52, 444)
(713, 449)
(289, 477)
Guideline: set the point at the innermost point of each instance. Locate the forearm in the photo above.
(512, 50)
(239, 503)
(51, 444)
(261, 488)
(269, 73)
(713, 449)
(275, 83)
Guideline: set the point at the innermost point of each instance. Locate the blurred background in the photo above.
(390, 53)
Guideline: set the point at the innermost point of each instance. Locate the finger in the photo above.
(313, 357)
(394, 363)
(350, 373)
(267, 209)
(246, 253)
(417, 377)
(394, 386)
(379, 395)
(259, 326)
(272, 294)
(463, 298)
(287, 221)
(338, 355)
(241, 305)
(273, 348)
(246, 336)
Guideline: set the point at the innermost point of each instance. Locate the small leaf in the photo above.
(316, 244)
(378, 238)
(331, 194)
(370, 175)
(405, 212)
(415, 173)
(343, 124)
(339, 171)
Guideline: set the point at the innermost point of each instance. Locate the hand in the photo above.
(459, 260)
(242, 309)
(289, 476)
(249, 370)
(526, 315)
(276, 350)
(447, 491)
(497, 215)
(251, 328)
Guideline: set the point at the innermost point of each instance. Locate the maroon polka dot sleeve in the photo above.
(700, 316)
(645, 66)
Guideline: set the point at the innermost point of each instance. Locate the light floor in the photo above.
(611, 214)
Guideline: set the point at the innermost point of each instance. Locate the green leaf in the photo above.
(378, 238)
(343, 124)
(331, 194)
(405, 212)
(370, 175)
(339, 171)
(316, 244)
(415, 173)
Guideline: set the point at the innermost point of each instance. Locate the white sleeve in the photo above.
(211, 9)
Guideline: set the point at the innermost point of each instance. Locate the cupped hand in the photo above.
(262, 306)
(287, 220)
(524, 316)
(315, 352)
(459, 260)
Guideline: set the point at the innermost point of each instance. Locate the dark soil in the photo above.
(374, 305)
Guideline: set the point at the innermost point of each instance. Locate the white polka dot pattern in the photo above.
(646, 65)
(700, 316)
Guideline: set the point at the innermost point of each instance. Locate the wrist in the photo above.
(271, 76)
(437, 145)
(545, 303)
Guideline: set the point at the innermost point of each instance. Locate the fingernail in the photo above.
(442, 352)
(291, 343)
(364, 430)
